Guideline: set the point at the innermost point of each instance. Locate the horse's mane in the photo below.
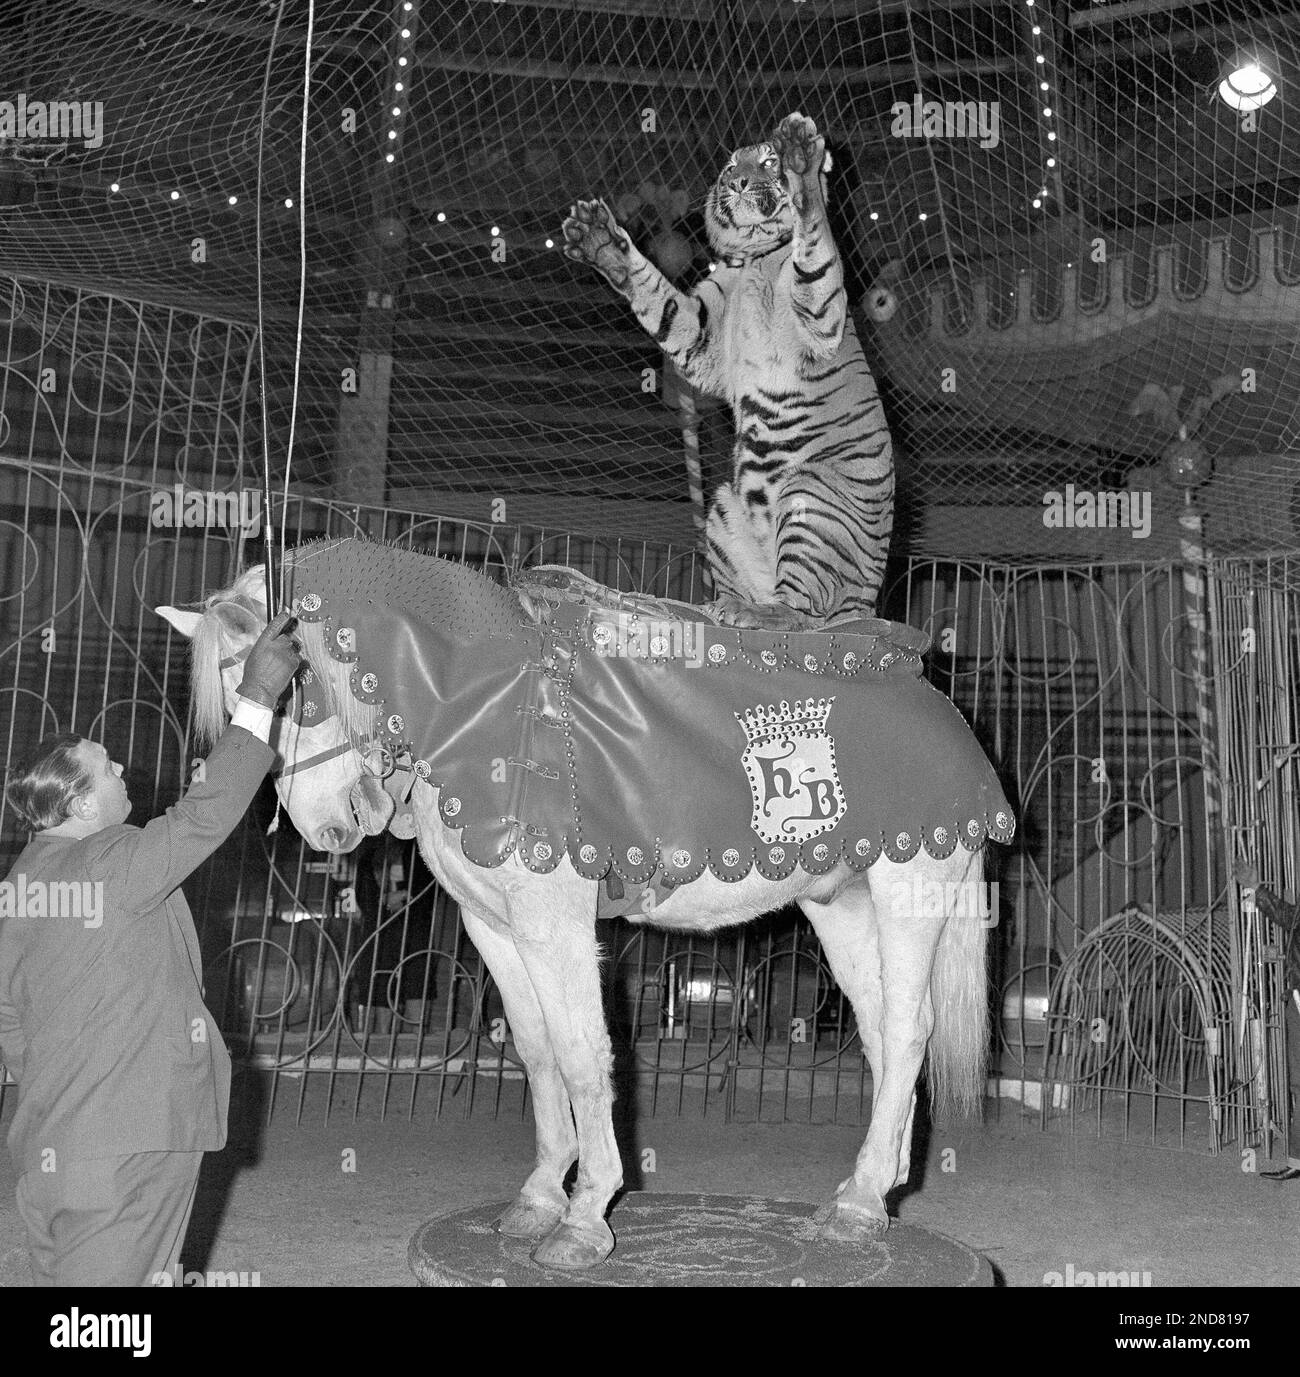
(206, 650)
(246, 595)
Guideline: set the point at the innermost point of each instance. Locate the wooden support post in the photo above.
(361, 441)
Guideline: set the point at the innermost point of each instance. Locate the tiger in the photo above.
(799, 535)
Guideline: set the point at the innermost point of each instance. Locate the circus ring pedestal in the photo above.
(696, 1240)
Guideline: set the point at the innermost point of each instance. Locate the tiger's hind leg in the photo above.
(742, 559)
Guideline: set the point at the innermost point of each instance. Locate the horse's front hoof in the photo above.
(529, 1219)
(851, 1224)
(572, 1247)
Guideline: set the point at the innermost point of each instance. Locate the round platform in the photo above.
(696, 1240)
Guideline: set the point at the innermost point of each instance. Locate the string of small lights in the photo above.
(1045, 76)
(402, 71)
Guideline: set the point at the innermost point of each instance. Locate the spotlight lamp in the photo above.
(1247, 87)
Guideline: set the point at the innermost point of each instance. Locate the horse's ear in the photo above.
(187, 623)
(239, 621)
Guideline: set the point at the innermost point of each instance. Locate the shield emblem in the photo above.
(789, 760)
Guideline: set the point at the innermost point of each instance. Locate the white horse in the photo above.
(917, 979)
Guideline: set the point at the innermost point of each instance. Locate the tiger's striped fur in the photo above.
(806, 519)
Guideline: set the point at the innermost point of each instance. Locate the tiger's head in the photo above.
(748, 208)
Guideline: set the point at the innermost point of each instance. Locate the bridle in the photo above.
(377, 760)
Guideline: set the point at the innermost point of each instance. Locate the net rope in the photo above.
(1060, 237)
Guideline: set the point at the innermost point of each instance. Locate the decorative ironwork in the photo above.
(1079, 680)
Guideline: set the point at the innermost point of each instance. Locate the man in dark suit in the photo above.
(1287, 919)
(123, 1077)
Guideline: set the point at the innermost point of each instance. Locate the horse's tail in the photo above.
(959, 988)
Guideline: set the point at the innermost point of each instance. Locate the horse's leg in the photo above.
(905, 943)
(852, 947)
(541, 1201)
(930, 897)
(557, 943)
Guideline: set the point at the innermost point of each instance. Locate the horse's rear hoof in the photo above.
(851, 1224)
(573, 1248)
(529, 1219)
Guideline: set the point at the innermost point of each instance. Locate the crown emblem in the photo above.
(804, 716)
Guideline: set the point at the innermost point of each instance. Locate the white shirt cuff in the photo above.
(253, 717)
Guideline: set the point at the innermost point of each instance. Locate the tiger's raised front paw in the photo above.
(592, 236)
(802, 148)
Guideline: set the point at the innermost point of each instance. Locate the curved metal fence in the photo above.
(1100, 691)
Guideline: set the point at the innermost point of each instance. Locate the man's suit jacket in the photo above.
(104, 1027)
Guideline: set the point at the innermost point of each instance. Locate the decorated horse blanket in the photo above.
(643, 746)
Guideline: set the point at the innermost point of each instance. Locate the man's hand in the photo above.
(1246, 874)
(272, 663)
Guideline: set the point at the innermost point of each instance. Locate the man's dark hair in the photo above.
(43, 786)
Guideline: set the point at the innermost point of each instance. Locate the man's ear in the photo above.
(187, 623)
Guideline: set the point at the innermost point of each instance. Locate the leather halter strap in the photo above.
(312, 761)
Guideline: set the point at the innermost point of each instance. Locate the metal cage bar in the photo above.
(1133, 996)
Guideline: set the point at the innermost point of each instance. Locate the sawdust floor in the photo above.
(279, 1202)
